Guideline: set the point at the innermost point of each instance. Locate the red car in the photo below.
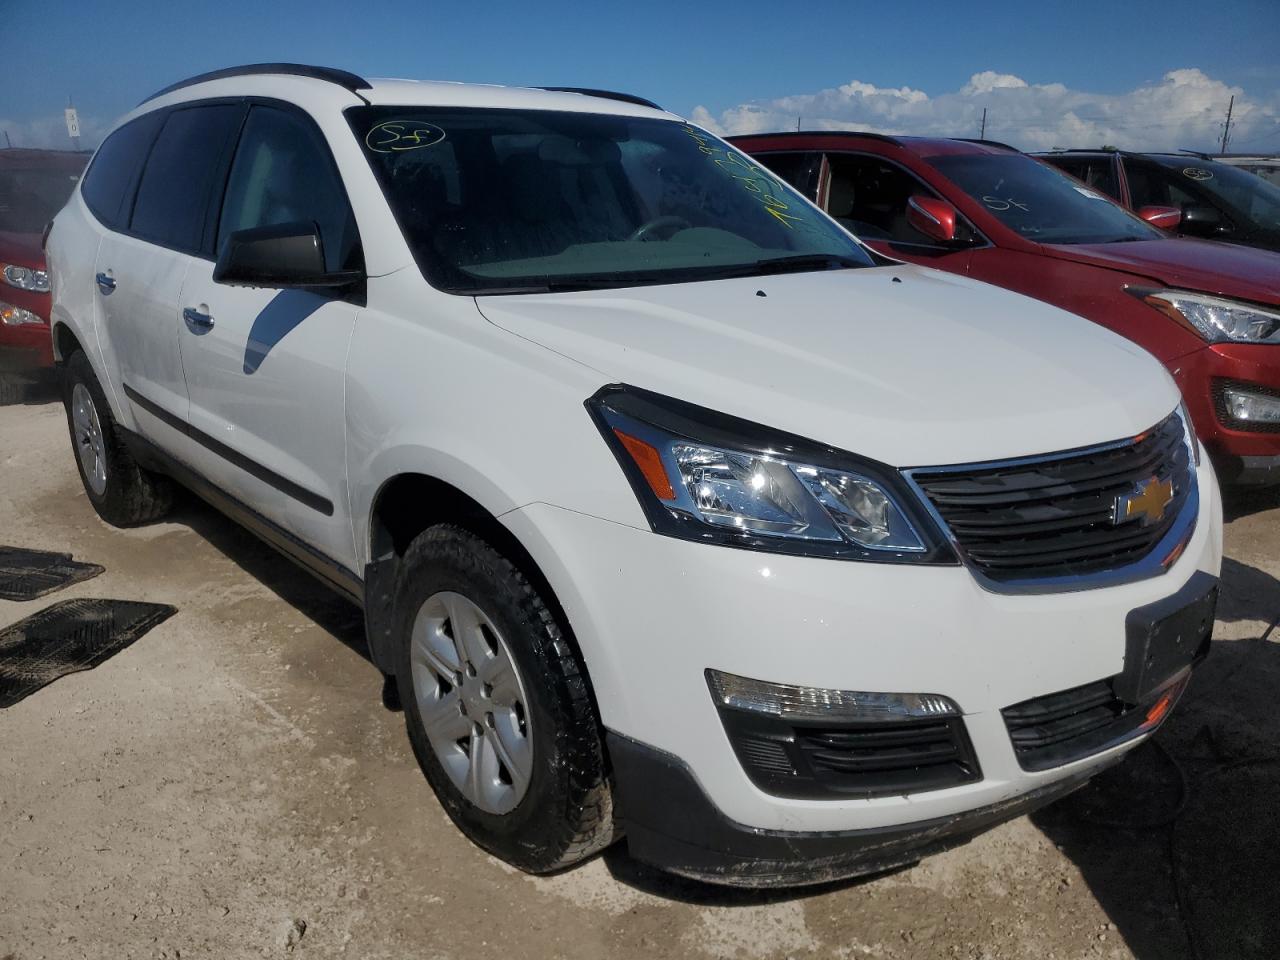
(34, 184)
(1209, 311)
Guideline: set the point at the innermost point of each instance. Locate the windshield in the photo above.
(508, 201)
(1254, 197)
(31, 198)
(1040, 202)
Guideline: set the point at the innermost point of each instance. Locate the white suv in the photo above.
(674, 512)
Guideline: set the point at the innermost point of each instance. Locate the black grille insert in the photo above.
(1056, 517)
(851, 759)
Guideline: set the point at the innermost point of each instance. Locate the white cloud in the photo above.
(1184, 109)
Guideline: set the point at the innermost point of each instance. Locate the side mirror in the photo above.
(282, 256)
(1166, 218)
(936, 219)
(1202, 220)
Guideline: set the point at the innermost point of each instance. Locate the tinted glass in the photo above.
(868, 196)
(31, 197)
(1096, 172)
(1040, 202)
(1150, 186)
(538, 200)
(798, 169)
(179, 176)
(108, 186)
(283, 173)
(1249, 197)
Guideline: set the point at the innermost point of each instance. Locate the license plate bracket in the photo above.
(1164, 637)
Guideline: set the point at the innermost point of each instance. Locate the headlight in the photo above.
(24, 278)
(703, 476)
(1214, 318)
(15, 316)
(1189, 433)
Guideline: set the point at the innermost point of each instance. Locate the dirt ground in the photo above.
(232, 786)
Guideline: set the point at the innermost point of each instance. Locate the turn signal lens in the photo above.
(649, 461)
(1158, 711)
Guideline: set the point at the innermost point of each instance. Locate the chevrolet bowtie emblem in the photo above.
(1147, 500)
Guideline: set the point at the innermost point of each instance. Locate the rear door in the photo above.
(159, 228)
(266, 368)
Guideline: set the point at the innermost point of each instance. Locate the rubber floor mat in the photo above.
(70, 636)
(27, 574)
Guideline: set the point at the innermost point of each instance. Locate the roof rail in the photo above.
(604, 94)
(818, 133)
(988, 143)
(348, 81)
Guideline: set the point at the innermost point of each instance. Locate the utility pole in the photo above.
(7, 142)
(1226, 127)
(983, 134)
(73, 125)
(798, 124)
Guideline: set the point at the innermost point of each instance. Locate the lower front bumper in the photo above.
(670, 823)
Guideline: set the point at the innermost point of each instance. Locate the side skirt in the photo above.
(327, 570)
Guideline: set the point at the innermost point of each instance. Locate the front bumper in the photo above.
(1244, 455)
(651, 614)
(670, 822)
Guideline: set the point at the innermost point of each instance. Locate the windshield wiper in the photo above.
(802, 262)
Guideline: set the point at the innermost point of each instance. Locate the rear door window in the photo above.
(109, 184)
(173, 197)
(283, 172)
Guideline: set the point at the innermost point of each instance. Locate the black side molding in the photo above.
(286, 486)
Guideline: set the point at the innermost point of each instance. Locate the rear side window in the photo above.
(283, 173)
(173, 196)
(108, 186)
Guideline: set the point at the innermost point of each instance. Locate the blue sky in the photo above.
(721, 57)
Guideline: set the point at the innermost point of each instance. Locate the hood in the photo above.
(1207, 266)
(903, 364)
(22, 249)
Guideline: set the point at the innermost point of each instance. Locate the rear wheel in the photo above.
(497, 706)
(123, 493)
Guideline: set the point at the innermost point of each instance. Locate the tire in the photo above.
(563, 813)
(122, 493)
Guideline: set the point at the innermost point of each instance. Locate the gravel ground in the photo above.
(232, 786)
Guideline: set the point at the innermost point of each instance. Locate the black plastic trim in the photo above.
(702, 425)
(332, 573)
(670, 822)
(286, 486)
(344, 79)
(604, 95)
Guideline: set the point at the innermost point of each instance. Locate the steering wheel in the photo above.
(650, 227)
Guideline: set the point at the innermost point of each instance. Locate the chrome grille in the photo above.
(1054, 518)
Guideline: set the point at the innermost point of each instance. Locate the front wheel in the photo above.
(123, 493)
(497, 706)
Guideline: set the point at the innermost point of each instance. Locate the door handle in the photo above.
(198, 322)
(105, 283)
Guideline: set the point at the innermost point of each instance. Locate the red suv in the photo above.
(1209, 311)
(34, 184)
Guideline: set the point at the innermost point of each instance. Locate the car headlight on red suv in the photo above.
(25, 278)
(1215, 319)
